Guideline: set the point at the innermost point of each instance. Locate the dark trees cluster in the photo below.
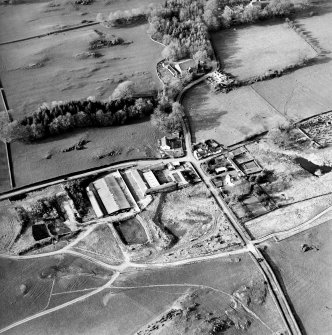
(85, 113)
(105, 41)
(179, 25)
(167, 117)
(225, 13)
(76, 190)
(183, 25)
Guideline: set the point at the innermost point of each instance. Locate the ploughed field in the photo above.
(306, 276)
(153, 297)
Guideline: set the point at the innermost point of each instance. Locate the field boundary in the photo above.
(7, 145)
(51, 33)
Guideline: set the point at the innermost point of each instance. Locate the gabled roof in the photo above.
(185, 64)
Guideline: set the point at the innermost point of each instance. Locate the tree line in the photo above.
(184, 25)
(64, 116)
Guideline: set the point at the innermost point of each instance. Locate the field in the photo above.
(101, 242)
(132, 141)
(305, 92)
(306, 276)
(31, 18)
(27, 285)
(9, 227)
(125, 310)
(232, 117)
(279, 47)
(290, 216)
(228, 118)
(52, 68)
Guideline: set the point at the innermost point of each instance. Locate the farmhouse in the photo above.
(205, 149)
(184, 66)
(107, 197)
(172, 145)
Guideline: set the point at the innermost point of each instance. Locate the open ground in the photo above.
(279, 47)
(51, 69)
(143, 296)
(30, 18)
(233, 117)
(306, 276)
(27, 285)
(129, 142)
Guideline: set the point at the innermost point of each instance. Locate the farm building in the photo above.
(186, 65)
(137, 181)
(107, 197)
(259, 3)
(151, 179)
(172, 145)
(208, 148)
(171, 69)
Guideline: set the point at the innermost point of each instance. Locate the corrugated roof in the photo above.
(151, 179)
(117, 192)
(134, 174)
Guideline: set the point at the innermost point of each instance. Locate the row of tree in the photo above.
(225, 13)
(61, 117)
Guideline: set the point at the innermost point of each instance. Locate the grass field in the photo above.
(306, 277)
(232, 117)
(279, 47)
(101, 242)
(132, 141)
(228, 118)
(27, 285)
(9, 226)
(305, 92)
(30, 18)
(125, 311)
(48, 68)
